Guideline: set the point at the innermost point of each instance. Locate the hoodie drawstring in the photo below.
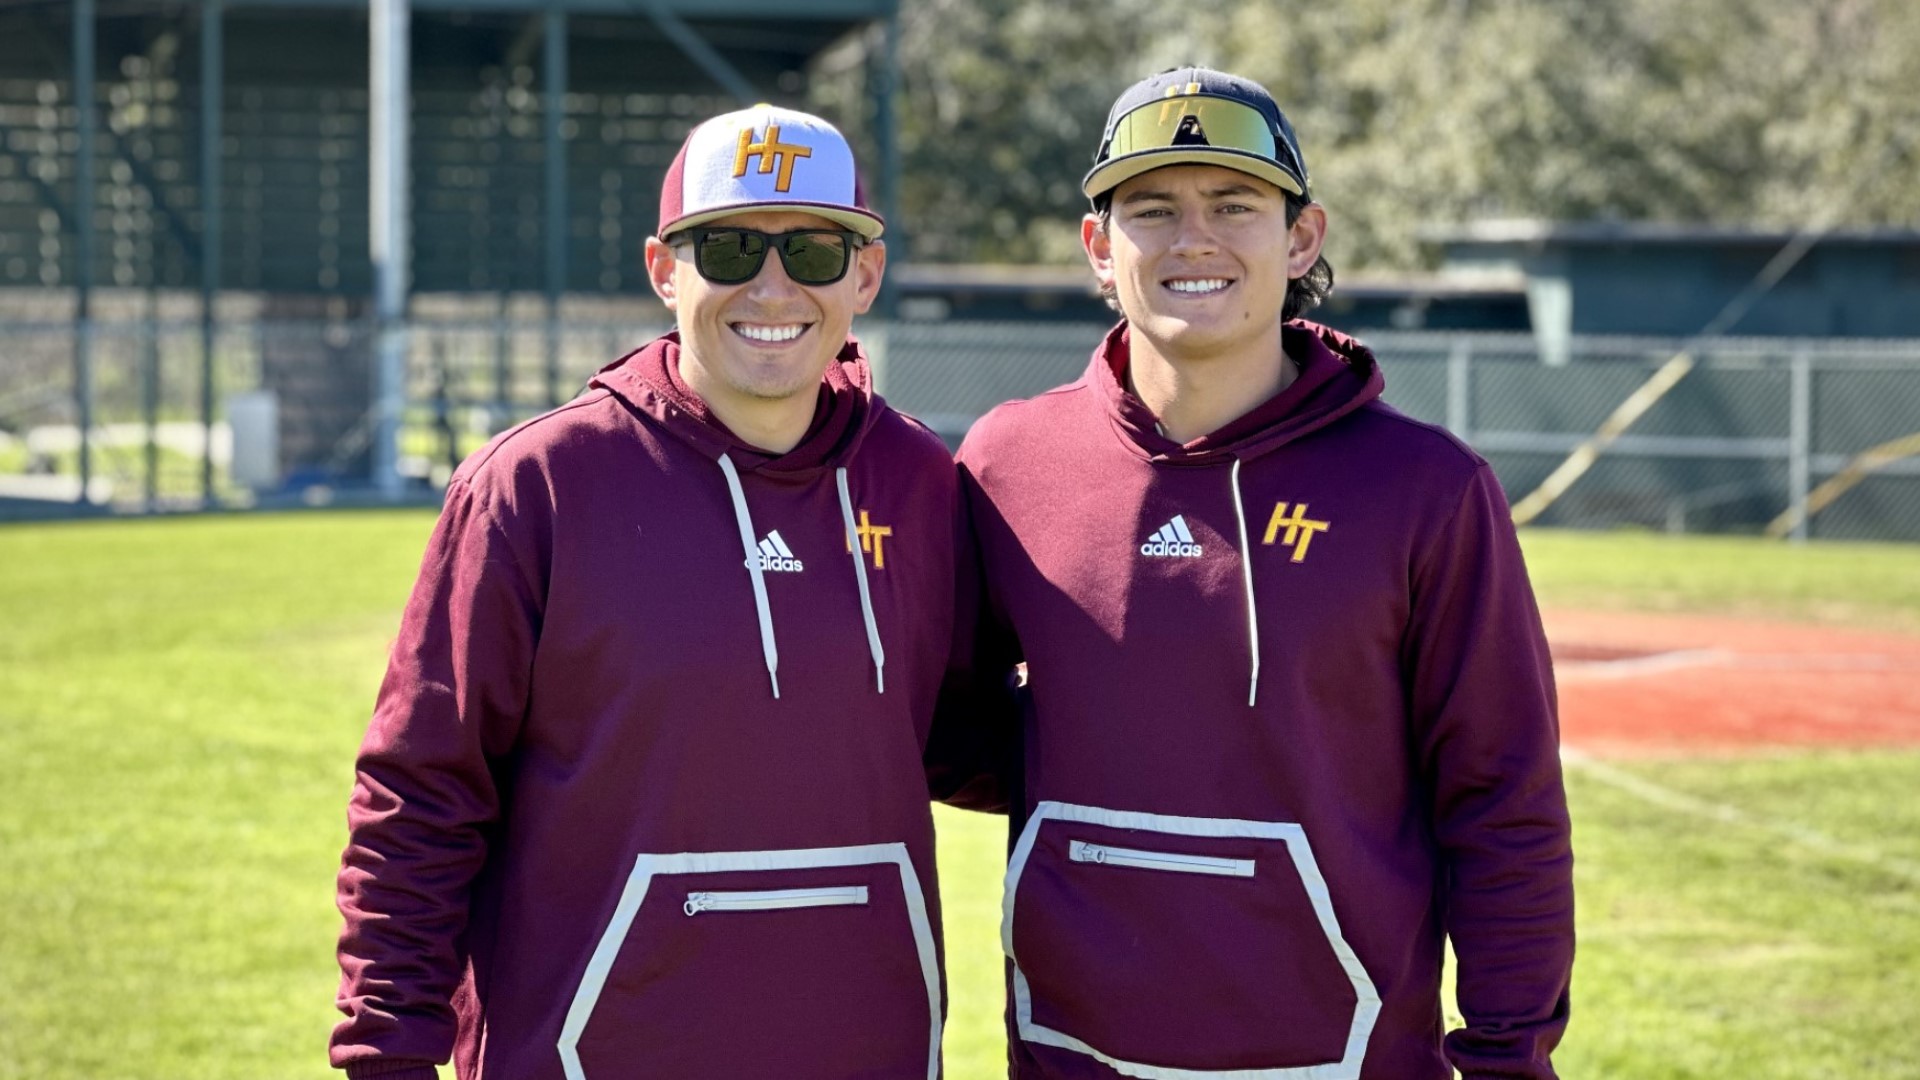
(765, 611)
(860, 574)
(1246, 576)
(767, 648)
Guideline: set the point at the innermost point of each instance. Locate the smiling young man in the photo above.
(1291, 718)
(643, 792)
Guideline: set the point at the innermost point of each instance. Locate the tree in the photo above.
(1421, 112)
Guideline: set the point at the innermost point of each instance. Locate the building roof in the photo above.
(1539, 232)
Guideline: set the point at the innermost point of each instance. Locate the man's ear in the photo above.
(660, 268)
(869, 266)
(1099, 247)
(1309, 232)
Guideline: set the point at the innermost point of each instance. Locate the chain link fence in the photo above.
(1749, 432)
(1755, 426)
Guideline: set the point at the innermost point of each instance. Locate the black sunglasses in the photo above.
(729, 256)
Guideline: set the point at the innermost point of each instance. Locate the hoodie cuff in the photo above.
(385, 1069)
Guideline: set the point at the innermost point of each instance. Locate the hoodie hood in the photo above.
(1337, 376)
(648, 381)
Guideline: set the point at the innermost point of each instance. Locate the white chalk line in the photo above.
(1823, 662)
(1638, 666)
(1809, 838)
(1679, 660)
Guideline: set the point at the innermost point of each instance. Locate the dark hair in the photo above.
(1304, 293)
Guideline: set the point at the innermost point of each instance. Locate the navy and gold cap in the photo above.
(1197, 116)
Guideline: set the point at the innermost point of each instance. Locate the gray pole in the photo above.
(212, 93)
(885, 78)
(553, 100)
(150, 392)
(888, 129)
(1800, 439)
(388, 25)
(83, 205)
(1460, 389)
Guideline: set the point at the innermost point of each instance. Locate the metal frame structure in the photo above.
(389, 22)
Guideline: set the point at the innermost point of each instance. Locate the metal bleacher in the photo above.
(294, 162)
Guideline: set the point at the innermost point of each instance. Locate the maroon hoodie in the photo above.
(635, 804)
(1292, 722)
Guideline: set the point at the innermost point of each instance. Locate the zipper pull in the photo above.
(697, 903)
(1095, 854)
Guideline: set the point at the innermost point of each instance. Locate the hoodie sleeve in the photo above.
(425, 799)
(972, 751)
(1482, 695)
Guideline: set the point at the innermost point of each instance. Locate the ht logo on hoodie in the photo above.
(1172, 541)
(873, 539)
(776, 556)
(1300, 529)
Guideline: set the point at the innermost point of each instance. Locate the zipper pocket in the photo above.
(774, 899)
(1082, 852)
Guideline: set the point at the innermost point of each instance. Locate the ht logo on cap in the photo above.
(771, 152)
(1189, 110)
(1184, 107)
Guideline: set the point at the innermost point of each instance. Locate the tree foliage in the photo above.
(1421, 112)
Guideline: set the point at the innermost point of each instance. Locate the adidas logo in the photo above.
(777, 557)
(1172, 541)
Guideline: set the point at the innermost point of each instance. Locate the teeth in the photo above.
(1203, 285)
(769, 333)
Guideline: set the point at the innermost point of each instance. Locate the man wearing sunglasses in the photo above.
(1291, 722)
(643, 794)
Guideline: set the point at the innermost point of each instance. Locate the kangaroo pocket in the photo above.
(1179, 947)
(813, 962)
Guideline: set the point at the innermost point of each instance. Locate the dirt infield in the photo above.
(1633, 684)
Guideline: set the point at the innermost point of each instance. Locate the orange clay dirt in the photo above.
(1636, 684)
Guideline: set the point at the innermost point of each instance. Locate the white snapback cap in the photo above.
(765, 158)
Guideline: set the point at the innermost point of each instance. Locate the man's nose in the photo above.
(1194, 235)
(772, 280)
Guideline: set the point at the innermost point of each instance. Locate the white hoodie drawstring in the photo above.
(860, 574)
(767, 648)
(765, 611)
(1246, 575)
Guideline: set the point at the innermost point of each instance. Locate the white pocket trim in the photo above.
(1366, 1006)
(705, 862)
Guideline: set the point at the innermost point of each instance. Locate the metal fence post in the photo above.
(1800, 439)
(500, 416)
(886, 130)
(83, 205)
(150, 396)
(553, 114)
(212, 119)
(1460, 389)
(876, 338)
(389, 24)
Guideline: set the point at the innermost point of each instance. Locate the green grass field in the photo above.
(180, 701)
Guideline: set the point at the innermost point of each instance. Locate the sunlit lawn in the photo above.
(180, 701)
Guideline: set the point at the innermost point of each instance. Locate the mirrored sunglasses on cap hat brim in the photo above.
(1201, 123)
(732, 256)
